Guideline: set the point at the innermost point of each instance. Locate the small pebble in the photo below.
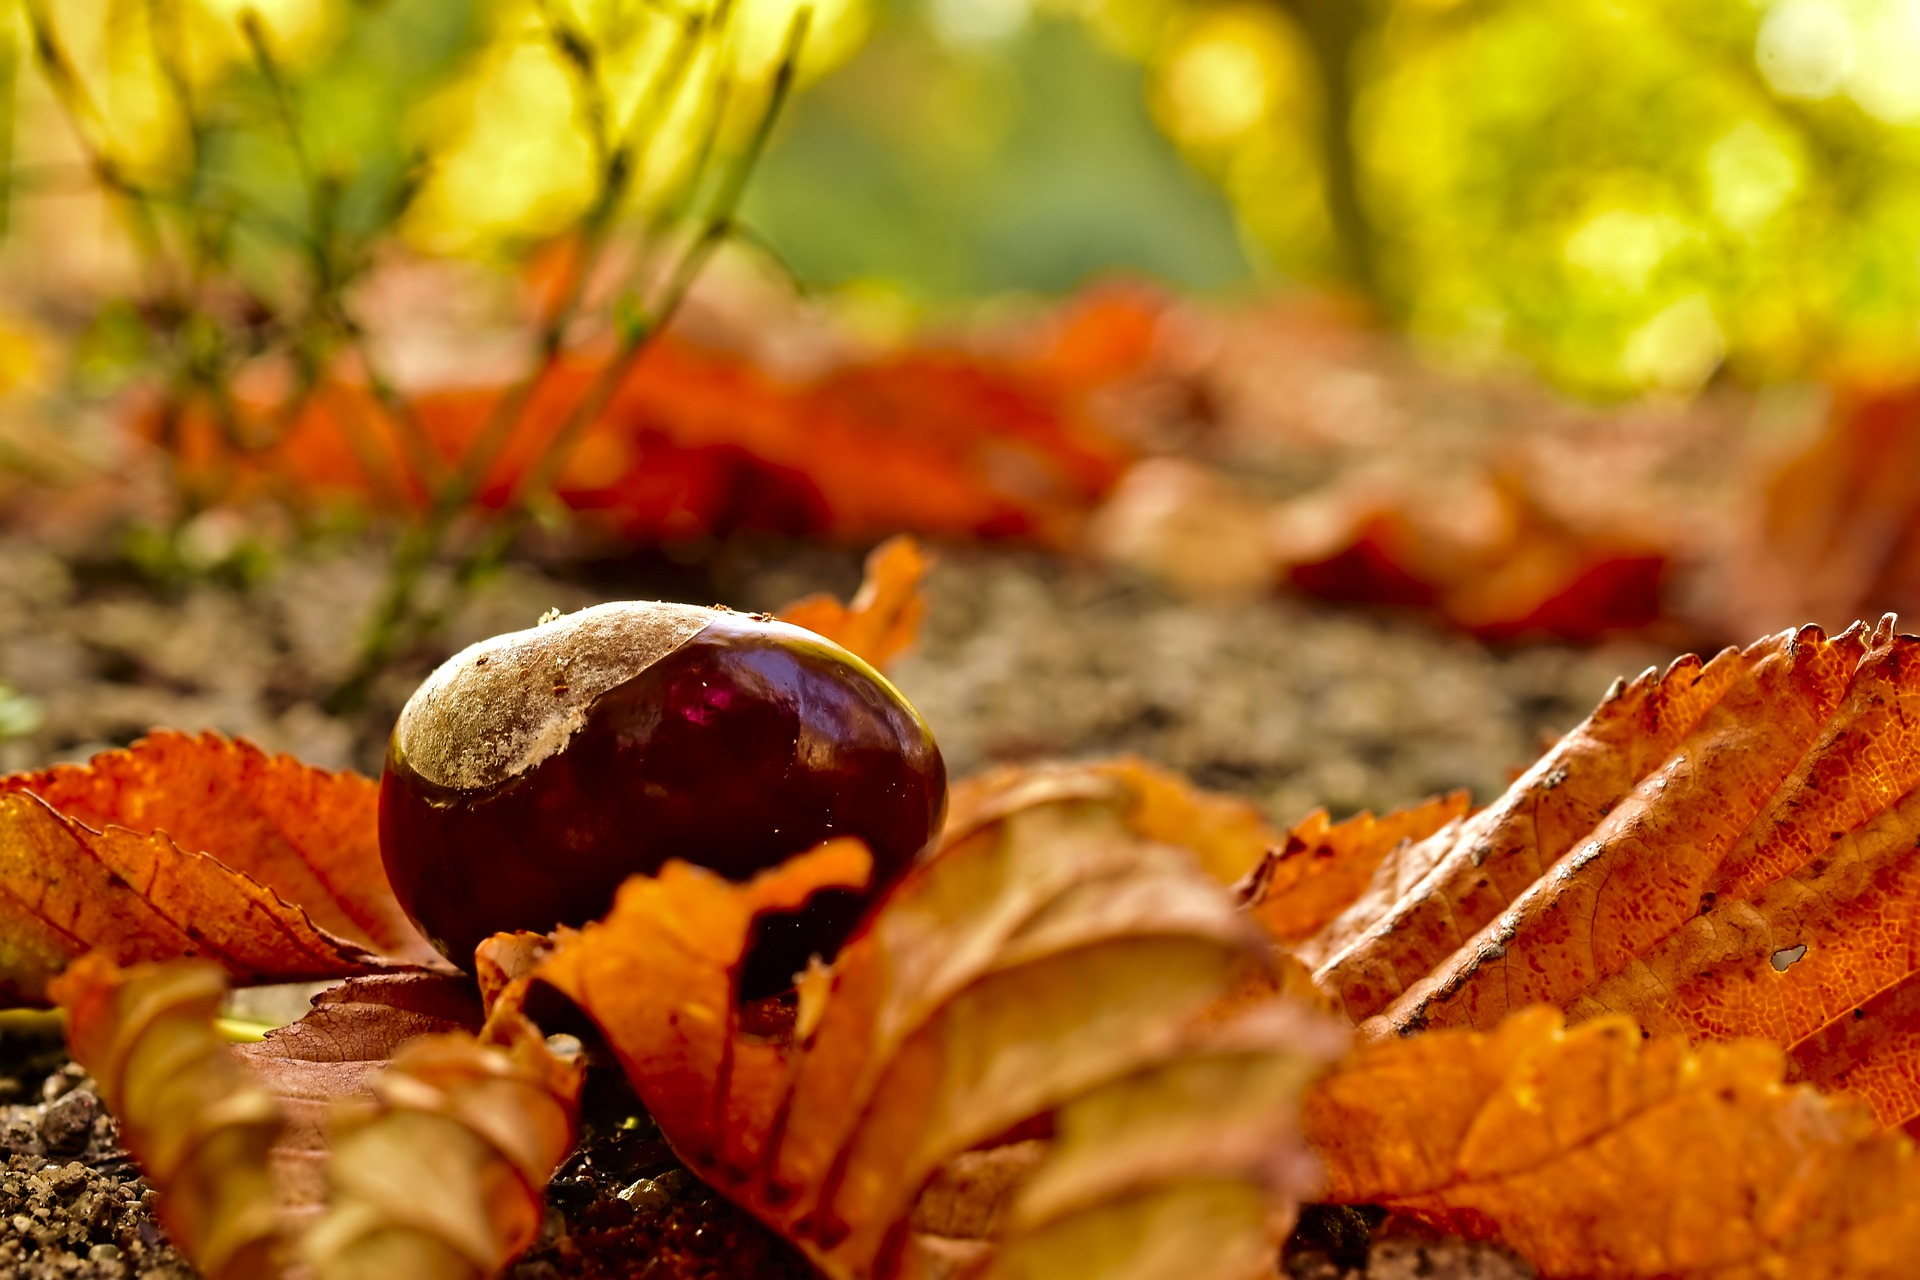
(69, 1122)
(646, 1195)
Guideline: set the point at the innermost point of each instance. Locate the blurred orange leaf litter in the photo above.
(699, 441)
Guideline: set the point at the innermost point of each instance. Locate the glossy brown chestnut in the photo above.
(534, 772)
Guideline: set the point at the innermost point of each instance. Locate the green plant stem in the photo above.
(717, 228)
(397, 621)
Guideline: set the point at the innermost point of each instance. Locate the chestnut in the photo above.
(534, 772)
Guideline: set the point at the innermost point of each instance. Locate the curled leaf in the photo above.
(440, 1175)
(371, 1139)
(1228, 834)
(199, 1124)
(1148, 1179)
(1595, 1152)
(1047, 964)
(884, 616)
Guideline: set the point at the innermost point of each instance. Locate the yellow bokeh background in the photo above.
(1631, 196)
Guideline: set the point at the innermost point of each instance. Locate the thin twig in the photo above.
(390, 629)
(719, 224)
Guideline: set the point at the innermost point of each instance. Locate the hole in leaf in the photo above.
(1787, 956)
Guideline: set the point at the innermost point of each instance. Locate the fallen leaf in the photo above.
(1721, 850)
(352, 1031)
(883, 618)
(1049, 963)
(1303, 883)
(200, 1126)
(1506, 567)
(1183, 523)
(370, 1139)
(1593, 1151)
(66, 889)
(699, 441)
(1227, 833)
(1519, 570)
(309, 835)
(1835, 528)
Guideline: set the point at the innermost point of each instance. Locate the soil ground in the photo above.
(1291, 703)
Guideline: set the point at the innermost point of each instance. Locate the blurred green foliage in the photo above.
(1624, 191)
(1629, 195)
(954, 170)
(221, 179)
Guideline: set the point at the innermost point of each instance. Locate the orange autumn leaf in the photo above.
(699, 441)
(309, 835)
(883, 618)
(1228, 834)
(66, 889)
(372, 1139)
(1302, 884)
(1515, 569)
(1048, 963)
(1594, 1152)
(1722, 850)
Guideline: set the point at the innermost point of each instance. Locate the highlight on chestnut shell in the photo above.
(532, 773)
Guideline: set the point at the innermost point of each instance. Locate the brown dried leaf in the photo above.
(308, 835)
(1048, 962)
(428, 1150)
(1724, 850)
(328, 1055)
(188, 1110)
(440, 1176)
(884, 616)
(1322, 868)
(1595, 1152)
(1228, 834)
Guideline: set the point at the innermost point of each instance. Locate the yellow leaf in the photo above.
(1595, 1152)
